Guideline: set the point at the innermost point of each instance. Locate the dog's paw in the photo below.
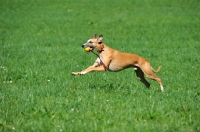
(78, 73)
(74, 73)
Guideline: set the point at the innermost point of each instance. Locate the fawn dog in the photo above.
(114, 60)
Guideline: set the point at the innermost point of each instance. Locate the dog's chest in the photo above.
(113, 65)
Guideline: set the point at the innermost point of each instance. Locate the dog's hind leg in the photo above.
(140, 76)
(154, 77)
(149, 73)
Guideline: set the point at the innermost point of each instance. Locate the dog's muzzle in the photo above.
(83, 46)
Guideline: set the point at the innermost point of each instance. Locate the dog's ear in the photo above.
(95, 35)
(99, 39)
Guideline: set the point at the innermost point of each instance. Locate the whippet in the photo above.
(114, 60)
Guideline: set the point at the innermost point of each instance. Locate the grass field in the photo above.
(40, 45)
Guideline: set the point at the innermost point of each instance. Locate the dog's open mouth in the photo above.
(89, 49)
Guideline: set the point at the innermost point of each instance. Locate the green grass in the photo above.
(40, 45)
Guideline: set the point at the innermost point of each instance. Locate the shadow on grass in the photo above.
(114, 87)
(107, 86)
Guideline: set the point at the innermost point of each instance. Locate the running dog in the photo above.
(114, 60)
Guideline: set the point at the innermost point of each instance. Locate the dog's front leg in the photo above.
(95, 67)
(89, 69)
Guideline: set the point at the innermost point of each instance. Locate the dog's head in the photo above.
(95, 43)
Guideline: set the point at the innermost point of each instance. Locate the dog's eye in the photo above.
(90, 41)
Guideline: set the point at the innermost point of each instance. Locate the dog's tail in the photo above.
(156, 70)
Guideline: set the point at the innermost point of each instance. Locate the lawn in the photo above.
(40, 45)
